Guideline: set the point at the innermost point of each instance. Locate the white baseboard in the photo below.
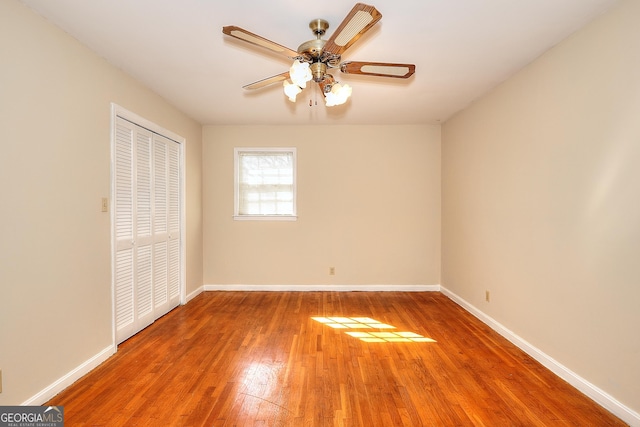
(194, 294)
(70, 377)
(336, 288)
(598, 395)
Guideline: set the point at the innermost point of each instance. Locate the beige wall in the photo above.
(368, 205)
(541, 203)
(55, 259)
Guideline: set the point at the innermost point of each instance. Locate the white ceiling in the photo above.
(461, 48)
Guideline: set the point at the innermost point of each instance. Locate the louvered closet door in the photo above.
(147, 227)
(143, 232)
(133, 232)
(166, 246)
(123, 227)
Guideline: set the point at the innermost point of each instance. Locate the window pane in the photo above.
(265, 182)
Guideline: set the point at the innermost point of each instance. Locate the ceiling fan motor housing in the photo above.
(312, 48)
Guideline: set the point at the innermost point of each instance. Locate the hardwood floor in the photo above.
(260, 359)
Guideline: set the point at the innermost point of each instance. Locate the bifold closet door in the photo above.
(146, 227)
(166, 236)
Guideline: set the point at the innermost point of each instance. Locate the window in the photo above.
(265, 181)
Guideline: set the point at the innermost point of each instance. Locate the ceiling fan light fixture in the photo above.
(338, 94)
(291, 90)
(300, 73)
(318, 71)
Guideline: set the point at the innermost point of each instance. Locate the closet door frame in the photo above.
(118, 111)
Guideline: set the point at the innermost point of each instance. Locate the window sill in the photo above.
(265, 217)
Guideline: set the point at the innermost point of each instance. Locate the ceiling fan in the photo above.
(315, 57)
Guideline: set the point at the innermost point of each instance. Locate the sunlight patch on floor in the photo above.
(368, 323)
(352, 322)
(390, 337)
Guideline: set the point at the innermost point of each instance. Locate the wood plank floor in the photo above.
(260, 359)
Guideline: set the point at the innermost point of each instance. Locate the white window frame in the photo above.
(236, 187)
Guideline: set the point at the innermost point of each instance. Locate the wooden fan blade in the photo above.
(257, 40)
(266, 82)
(361, 18)
(383, 69)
